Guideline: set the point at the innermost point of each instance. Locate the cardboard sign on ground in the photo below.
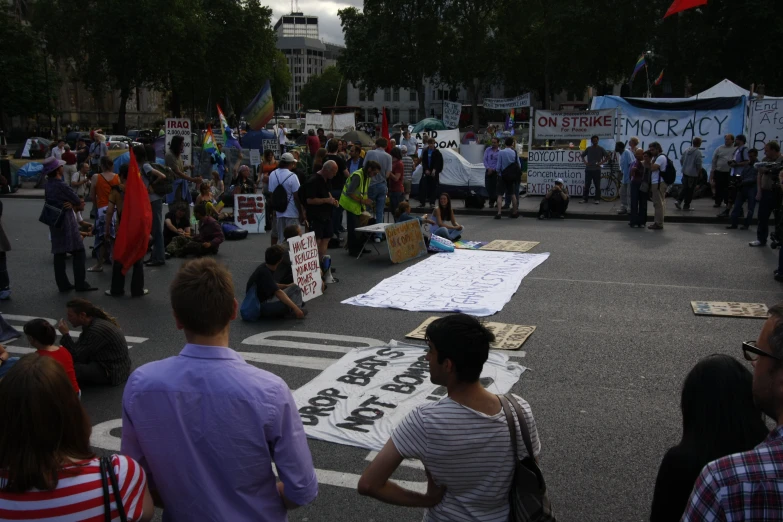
(502, 245)
(405, 241)
(507, 336)
(469, 245)
(758, 310)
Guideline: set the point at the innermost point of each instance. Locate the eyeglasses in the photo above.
(752, 353)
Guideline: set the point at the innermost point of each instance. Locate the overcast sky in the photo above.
(325, 10)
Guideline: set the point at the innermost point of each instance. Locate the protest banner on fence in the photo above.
(180, 127)
(451, 114)
(766, 123)
(405, 241)
(305, 265)
(545, 166)
(338, 124)
(574, 124)
(255, 157)
(271, 144)
(444, 139)
(250, 212)
(507, 103)
(360, 398)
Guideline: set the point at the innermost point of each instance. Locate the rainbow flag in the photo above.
(640, 63)
(209, 141)
(261, 109)
(228, 135)
(659, 79)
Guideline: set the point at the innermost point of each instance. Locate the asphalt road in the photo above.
(615, 337)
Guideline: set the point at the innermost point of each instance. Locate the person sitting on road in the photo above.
(41, 336)
(284, 274)
(47, 469)
(277, 300)
(177, 222)
(206, 242)
(718, 419)
(100, 356)
(469, 476)
(443, 214)
(555, 202)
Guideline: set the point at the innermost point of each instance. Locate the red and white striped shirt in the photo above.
(79, 494)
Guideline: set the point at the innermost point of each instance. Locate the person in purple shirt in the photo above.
(207, 426)
(491, 174)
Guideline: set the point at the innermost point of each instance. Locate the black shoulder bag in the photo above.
(107, 468)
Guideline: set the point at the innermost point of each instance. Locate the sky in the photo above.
(325, 10)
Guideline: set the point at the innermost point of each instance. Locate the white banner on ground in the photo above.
(362, 397)
(250, 212)
(180, 127)
(507, 103)
(470, 281)
(304, 263)
(338, 124)
(766, 123)
(444, 139)
(574, 124)
(451, 114)
(545, 166)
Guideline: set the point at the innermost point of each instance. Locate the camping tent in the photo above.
(362, 137)
(24, 151)
(30, 170)
(722, 89)
(458, 174)
(429, 124)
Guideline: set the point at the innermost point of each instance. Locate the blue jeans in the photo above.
(274, 308)
(395, 198)
(448, 233)
(158, 249)
(766, 206)
(7, 365)
(377, 193)
(638, 205)
(744, 194)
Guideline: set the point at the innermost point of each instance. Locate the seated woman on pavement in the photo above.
(555, 202)
(177, 222)
(208, 240)
(445, 222)
(266, 299)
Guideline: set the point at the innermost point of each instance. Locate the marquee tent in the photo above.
(458, 174)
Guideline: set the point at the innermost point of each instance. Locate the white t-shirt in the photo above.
(291, 183)
(57, 152)
(662, 163)
(468, 452)
(76, 177)
(281, 136)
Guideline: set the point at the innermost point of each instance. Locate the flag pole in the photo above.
(647, 73)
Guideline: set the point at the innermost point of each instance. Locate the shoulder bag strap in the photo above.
(105, 485)
(522, 425)
(511, 425)
(116, 490)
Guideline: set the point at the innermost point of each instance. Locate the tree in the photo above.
(325, 90)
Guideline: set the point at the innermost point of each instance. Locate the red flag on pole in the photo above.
(133, 235)
(385, 129)
(682, 5)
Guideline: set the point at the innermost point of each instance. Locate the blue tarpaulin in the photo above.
(124, 159)
(252, 139)
(30, 170)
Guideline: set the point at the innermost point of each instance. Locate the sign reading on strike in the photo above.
(405, 241)
(249, 212)
(180, 127)
(574, 124)
(305, 264)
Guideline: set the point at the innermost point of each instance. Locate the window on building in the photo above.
(396, 95)
(387, 95)
(362, 95)
(413, 96)
(413, 116)
(395, 116)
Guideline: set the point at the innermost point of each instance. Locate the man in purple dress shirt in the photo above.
(491, 173)
(207, 426)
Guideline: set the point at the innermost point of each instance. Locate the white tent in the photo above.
(457, 171)
(722, 89)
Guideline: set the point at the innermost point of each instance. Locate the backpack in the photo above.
(670, 174)
(251, 306)
(280, 197)
(232, 232)
(162, 187)
(512, 173)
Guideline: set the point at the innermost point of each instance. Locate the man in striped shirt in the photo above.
(463, 440)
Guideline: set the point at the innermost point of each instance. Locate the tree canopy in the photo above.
(322, 90)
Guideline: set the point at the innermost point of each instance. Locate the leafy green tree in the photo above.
(322, 90)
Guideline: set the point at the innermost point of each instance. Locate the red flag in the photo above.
(385, 130)
(682, 5)
(133, 235)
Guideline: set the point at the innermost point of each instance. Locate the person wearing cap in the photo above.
(294, 214)
(555, 202)
(66, 238)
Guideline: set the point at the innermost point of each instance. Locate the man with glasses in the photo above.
(749, 485)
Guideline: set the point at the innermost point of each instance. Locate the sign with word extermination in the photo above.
(250, 212)
(444, 139)
(507, 336)
(271, 144)
(359, 399)
(180, 127)
(405, 241)
(507, 103)
(304, 262)
(451, 114)
(574, 124)
(545, 166)
(766, 122)
(757, 310)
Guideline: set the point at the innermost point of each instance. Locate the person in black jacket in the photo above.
(431, 167)
(718, 418)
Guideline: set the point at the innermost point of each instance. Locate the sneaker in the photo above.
(725, 213)
(655, 226)
(377, 240)
(596, 201)
(622, 211)
(582, 201)
(756, 243)
(5, 293)
(143, 293)
(689, 209)
(678, 205)
(108, 293)
(542, 216)
(497, 216)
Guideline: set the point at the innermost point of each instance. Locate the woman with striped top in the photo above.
(47, 470)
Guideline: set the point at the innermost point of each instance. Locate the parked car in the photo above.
(116, 141)
(72, 137)
(143, 136)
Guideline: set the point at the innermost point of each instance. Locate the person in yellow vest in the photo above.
(354, 198)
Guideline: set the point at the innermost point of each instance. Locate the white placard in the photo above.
(545, 166)
(507, 103)
(574, 124)
(255, 157)
(451, 114)
(444, 139)
(473, 282)
(359, 399)
(180, 127)
(305, 265)
(338, 124)
(250, 212)
(766, 123)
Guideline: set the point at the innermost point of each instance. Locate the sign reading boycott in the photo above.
(361, 398)
(249, 212)
(507, 103)
(766, 122)
(271, 144)
(545, 166)
(405, 241)
(444, 139)
(180, 127)
(304, 263)
(574, 124)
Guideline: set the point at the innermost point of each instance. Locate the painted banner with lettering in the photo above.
(338, 124)
(180, 127)
(545, 166)
(304, 263)
(444, 139)
(474, 282)
(574, 124)
(522, 100)
(451, 114)
(675, 124)
(766, 123)
(250, 212)
(405, 241)
(360, 398)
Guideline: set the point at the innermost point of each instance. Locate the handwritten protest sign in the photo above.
(180, 127)
(360, 398)
(502, 245)
(507, 336)
(451, 114)
(305, 264)
(766, 122)
(757, 310)
(250, 212)
(405, 241)
(271, 144)
(475, 282)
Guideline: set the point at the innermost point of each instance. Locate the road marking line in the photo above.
(18, 349)
(309, 363)
(656, 285)
(74, 333)
(408, 463)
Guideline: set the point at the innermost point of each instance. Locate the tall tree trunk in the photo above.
(473, 95)
(420, 93)
(176, 104)
(124, 95)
